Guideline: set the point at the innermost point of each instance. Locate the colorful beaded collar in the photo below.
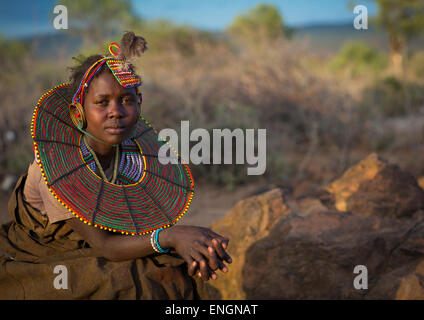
(148, 196)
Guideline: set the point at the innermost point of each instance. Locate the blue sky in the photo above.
(26, 17)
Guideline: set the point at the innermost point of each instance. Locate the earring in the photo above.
(78, 118)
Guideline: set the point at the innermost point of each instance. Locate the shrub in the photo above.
(387, 97)
(359, 58)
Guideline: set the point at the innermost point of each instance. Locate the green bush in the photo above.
(359, 58)
(260, 23)
(387, 97)
(416, 64)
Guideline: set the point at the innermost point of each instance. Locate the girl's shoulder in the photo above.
(37, 193)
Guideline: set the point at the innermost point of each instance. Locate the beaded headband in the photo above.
(122, 72)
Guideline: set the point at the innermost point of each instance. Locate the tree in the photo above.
(403, 20)
(97, 19)
(262, 23)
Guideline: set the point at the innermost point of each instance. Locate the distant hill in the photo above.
(329, 38)
(323, 39)
(47, 45)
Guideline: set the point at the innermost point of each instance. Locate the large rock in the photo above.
(376, 188)
(249, 221)
(315, 258)
(308, 248)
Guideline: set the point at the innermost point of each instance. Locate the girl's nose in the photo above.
(116, 110)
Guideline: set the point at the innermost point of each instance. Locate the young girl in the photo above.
(95, 180)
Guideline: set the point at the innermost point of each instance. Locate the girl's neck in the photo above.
(104, 153)
(102, 150)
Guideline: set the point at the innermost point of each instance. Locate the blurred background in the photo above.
(327, 94)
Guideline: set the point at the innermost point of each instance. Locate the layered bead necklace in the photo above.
(115, 165)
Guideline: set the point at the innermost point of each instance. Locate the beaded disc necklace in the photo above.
(115, 165)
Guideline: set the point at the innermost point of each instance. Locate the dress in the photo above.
(38, 239)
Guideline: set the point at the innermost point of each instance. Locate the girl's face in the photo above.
(110, 109)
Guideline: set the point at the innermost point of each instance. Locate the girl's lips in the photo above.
(118, 130)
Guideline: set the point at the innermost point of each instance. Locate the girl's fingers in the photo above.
(214, 262)
(204, 270)
(221, 252)
(214, 276)
(191, 264)
(220, 238)
(223, 241)
(192, 268)
(219, 245)
(203, 267)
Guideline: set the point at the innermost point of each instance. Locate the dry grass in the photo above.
(315, 127)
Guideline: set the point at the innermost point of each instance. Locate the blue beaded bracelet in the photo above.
(157, 242)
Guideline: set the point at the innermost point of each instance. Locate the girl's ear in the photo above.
(76, 112)
(73, 110)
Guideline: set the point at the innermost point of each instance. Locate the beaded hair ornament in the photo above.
(122, 71)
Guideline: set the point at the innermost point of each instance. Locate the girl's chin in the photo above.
(113, 136)
(116, 139)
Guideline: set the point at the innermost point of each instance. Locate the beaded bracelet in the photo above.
(152, 241)
(157, 241)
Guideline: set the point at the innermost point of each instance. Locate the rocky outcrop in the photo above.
(308, 248)
(376, 188)
(249, 221)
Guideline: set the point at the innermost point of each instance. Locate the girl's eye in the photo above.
(128, 100)
(102, 102)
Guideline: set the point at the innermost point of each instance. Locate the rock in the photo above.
(285, 247)
(249, 221)
(410, 286)
(314, 258)
(8, 182)
(10, 136)
(306, 205)
(421, 182)
(303, 188)
(375, 188)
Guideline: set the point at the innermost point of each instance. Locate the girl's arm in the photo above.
(200, 247)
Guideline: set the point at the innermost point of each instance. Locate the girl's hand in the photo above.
(202, 249)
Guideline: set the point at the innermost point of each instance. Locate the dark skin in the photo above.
(107, 104)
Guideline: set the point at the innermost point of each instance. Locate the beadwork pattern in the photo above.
(147, 196)
(130, 163)
(124, 75)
